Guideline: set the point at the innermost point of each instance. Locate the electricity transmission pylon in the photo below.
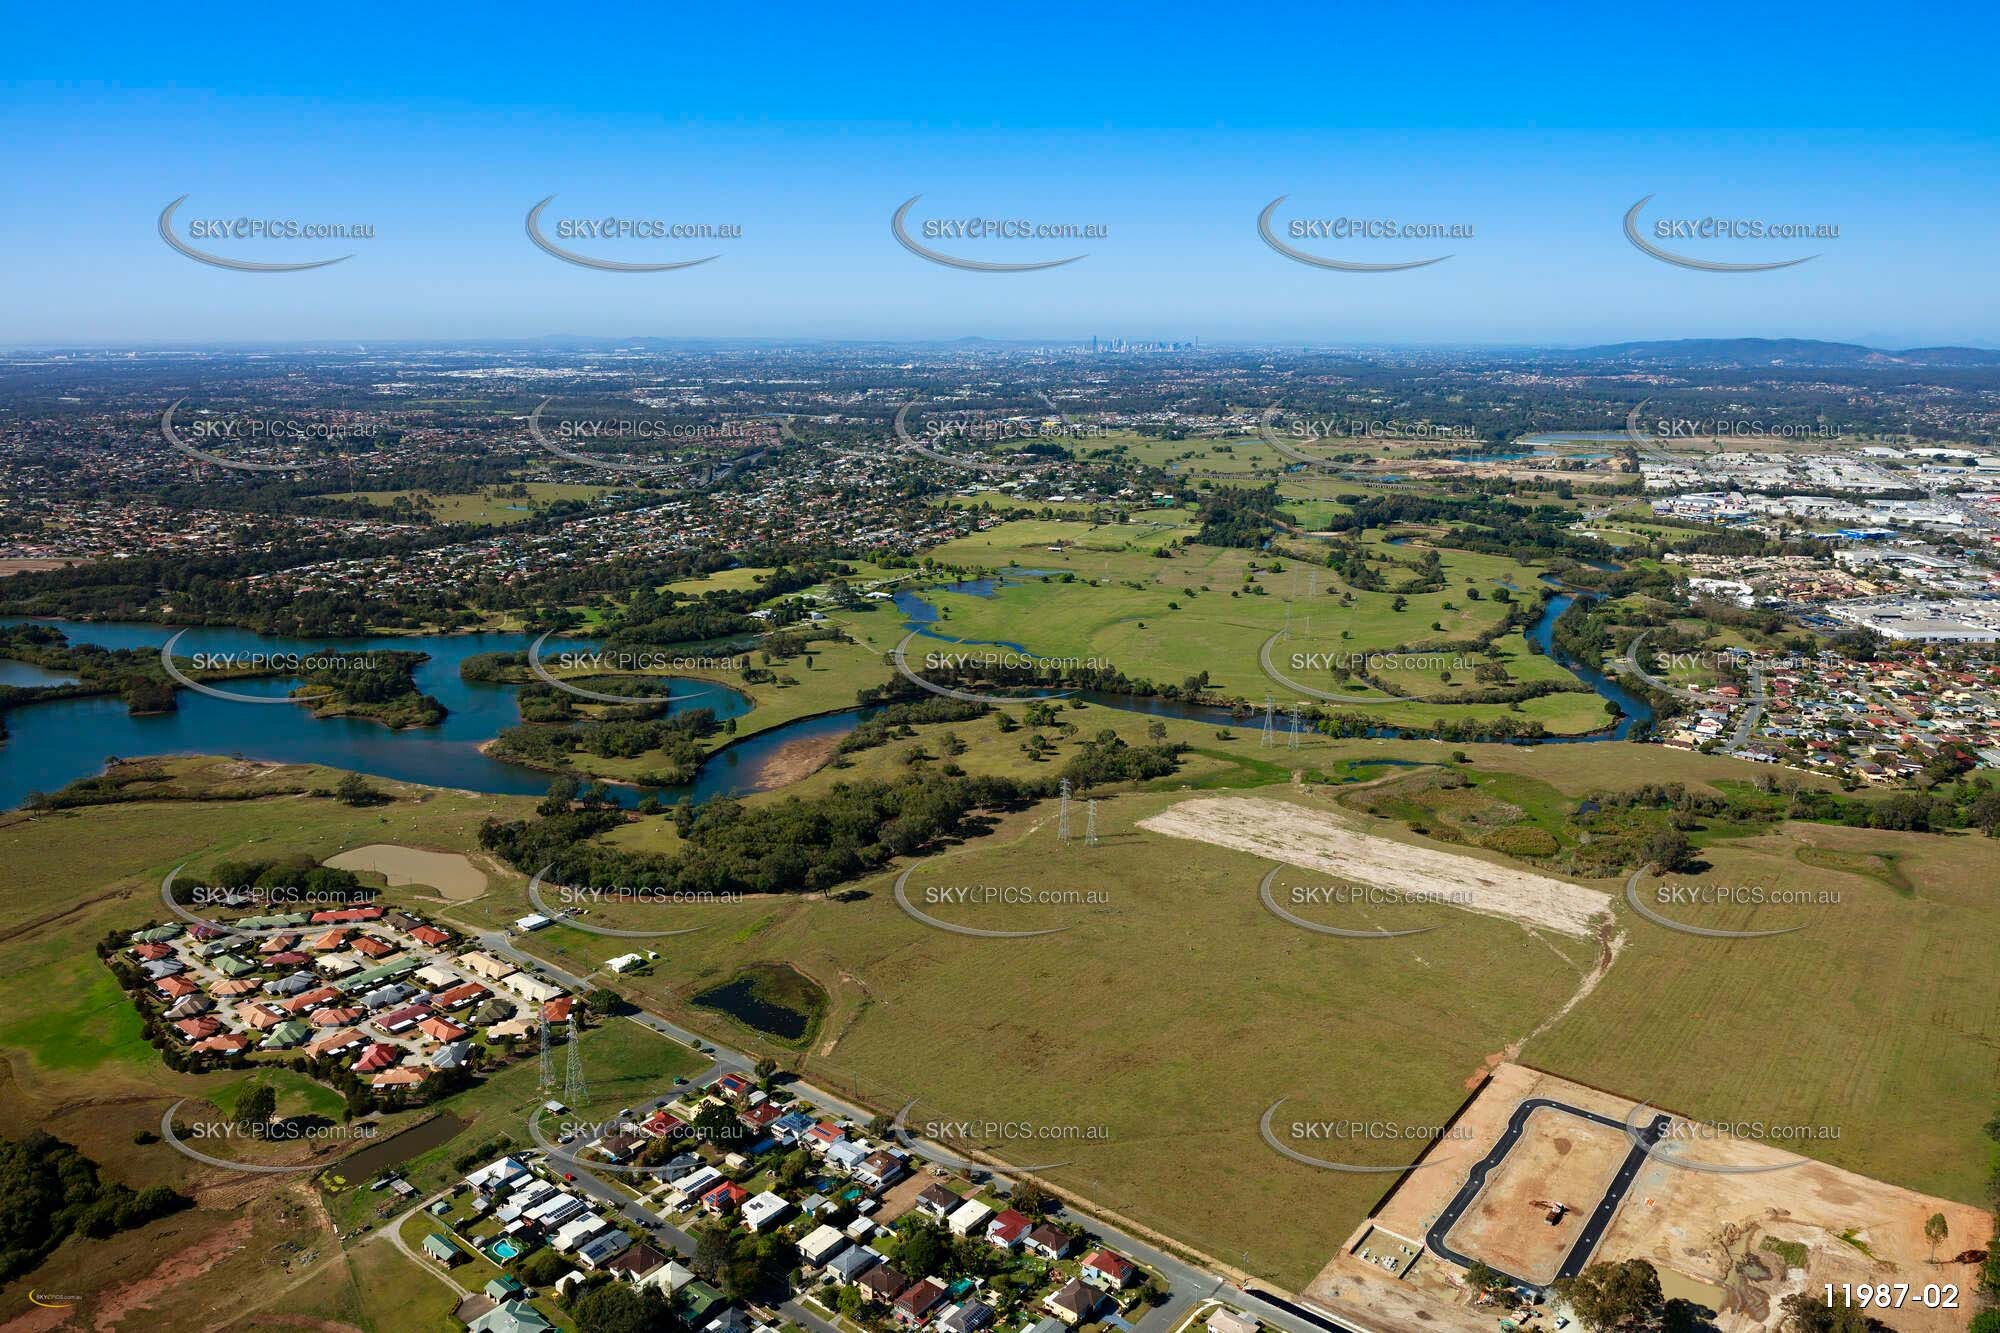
(548, 1072)
(575, 1092)
(1090, 824)
(1062, 815)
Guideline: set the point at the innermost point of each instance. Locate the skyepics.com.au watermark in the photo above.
(1367, 663)
(988, 675)
(557, 437)
(594, 662)
(573, 901)
(558, 237)
(644, 660)
(275, 1131)
(1008, 659)
(195, 1139)
(1010, 895)
(966, 233)
(274, 429)
(1694, 241)
(1375, 895)
(1729, 665)
(987, 431)
(586, 429)
(1741, 895)
(1385, 233)
(292, 664)
(1374, 1131)
(1308, 430)
(243, 234)
(284, 434)
(1342, 894)
(572, 895)
(277, 896)
(1681, 1133)
(1752, 428)
(984, 1133)
(1007, 896)
(1335, 1142)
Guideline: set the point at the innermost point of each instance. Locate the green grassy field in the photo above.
(1170, 1011)
(489, 507)
(1110, 599)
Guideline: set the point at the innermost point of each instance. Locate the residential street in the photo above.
(1186, 1284)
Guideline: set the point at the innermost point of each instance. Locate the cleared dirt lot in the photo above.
(1705, 1226)
(450, 873)
(1323, 841)
(1560, 1158)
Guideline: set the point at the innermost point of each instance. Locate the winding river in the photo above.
(52, 744)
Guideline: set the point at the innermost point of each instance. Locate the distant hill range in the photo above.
(1785, 352)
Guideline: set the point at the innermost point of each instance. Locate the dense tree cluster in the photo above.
(49, 1191)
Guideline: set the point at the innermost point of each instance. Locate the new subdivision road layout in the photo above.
(1186, 1284)
(1600, 1217)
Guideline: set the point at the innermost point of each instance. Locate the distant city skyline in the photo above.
(1156, 144)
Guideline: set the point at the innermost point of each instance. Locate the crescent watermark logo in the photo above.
(915, 445)
(1270, 669)
(1735, 228)
(687, 476)
(174, 1141)
(910, 910)
(535, 897)
(1270, 901)
(899, 657)
(899, 1129)
(173, 438)
(246, 932)
(1661, 1125)
(972, 229)
(1270, 437)
(585, 1133)
(1284, 1149)
(221, 261)
(50, 1302)
(180, 677)
(542, 674)
(1299, 256)
(1704, 932)
(1631, 664)
(547, 246)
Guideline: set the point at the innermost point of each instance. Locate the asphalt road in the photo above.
(1600, 1217)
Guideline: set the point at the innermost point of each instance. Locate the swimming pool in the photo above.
(504, 1249)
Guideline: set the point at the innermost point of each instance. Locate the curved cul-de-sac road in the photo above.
(1600, 1218)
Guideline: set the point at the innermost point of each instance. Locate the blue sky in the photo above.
(1170, 126)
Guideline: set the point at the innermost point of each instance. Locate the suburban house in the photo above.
(967, 1317)
(763, 1210)
(820, 1245)
(724, 1198)
(880, 1169)
(968, 1217)
(883, 1283)
(848, 1266)
(1008, 1229)
(1050, 1242)
(937, 1201)
(511, 1317)
(1074, 1303)
(439, 1248)
(918, 1302)
(1102, 1268)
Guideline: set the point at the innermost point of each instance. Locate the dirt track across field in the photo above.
(1322, 841)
